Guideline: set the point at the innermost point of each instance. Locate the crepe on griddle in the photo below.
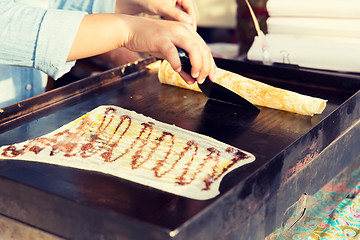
(256, 92)
(128, 145)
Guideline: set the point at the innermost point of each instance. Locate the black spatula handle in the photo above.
(185, 61)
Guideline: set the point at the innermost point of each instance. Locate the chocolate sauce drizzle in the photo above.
(103, 142)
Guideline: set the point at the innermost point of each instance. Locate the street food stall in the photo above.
(296, 156)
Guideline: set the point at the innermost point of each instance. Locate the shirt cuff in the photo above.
(56, 35)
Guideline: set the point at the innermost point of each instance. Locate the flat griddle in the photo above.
(295, 154)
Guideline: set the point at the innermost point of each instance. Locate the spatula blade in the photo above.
(213, 90)
(216, 91)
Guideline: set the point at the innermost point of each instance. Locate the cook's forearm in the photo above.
(98, 33)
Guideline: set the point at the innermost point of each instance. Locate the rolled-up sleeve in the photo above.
(42, 38)
(56, 34)
(19, 28)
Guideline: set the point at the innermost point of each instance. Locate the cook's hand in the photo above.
(99, 33)
(179, 10)
(159, 38)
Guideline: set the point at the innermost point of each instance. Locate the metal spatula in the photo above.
(213, 90)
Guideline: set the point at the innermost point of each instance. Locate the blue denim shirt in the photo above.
(35, 40)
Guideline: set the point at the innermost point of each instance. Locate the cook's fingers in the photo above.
(207, 64)
(201, 61)
(187, 78)
(179, 15)
(212, 75)
(196, 61)
(170, 53)
(189, 7)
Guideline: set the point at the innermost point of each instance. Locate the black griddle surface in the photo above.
(265, 134)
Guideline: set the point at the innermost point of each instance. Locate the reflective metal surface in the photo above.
(80, 204)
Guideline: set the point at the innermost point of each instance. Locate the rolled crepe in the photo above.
(256, 92)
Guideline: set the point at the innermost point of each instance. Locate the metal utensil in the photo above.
(213, 90)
